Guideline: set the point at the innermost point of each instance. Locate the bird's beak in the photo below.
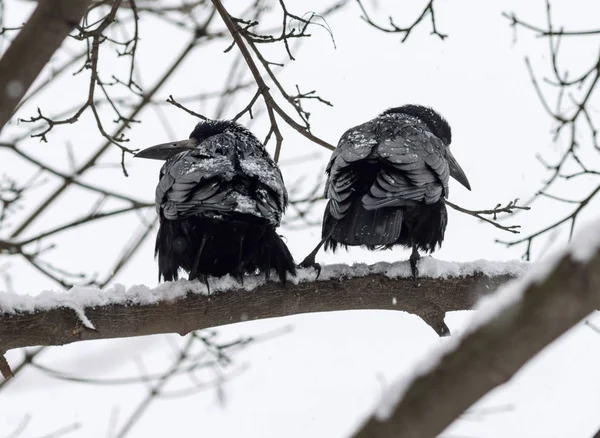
(167, 150)
(456, 171)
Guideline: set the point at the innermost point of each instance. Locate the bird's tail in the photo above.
(359, 226)
(273, 253)
(168, 250)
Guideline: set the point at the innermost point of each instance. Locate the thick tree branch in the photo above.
(194, 311)
(33, 47)
(491, 355)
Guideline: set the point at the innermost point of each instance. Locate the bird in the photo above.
(220, 198)
(387, 182)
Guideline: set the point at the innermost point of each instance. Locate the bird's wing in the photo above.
(193, 184)
(270, 195)
(355, 145)
(414, 169)
(222, 176)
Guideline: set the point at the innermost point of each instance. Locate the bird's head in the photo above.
(202, 131)
(440, 127)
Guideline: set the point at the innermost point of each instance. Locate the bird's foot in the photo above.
(414, 271)
(309, 262)
(198, 277)
(239, 277)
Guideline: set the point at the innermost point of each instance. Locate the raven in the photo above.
(220, 198)
(386, 184)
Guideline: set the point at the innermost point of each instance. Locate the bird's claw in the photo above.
(201, 279)
(309, 262)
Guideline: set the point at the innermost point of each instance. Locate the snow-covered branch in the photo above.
(86, 313)
(509, 329)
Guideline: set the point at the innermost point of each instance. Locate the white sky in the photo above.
(329, 371)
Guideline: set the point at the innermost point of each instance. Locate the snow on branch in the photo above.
(510, 327)
(86, 313)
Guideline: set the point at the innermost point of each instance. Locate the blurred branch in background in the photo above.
(21, 428)
(393, 28)
(97, 37)
(529, 315)
(574, 115)
(33, 47)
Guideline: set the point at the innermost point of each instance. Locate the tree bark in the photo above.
(430, 301)
(492, 354)
(33, 47)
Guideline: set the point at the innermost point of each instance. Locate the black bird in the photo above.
(387, 181)
(220, 198)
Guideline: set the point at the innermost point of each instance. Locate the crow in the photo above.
(220, 198)
(386, 185)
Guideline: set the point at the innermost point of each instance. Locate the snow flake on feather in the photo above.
(266, 172)
(209, 167)
(244, 204)
(360, 139)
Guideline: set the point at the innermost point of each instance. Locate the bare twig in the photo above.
(428, 10)
(173, 102)
(498, 209)
(570, 218)
(572, 114)
(272, 107)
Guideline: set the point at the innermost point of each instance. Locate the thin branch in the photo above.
(102, 149)
(573, 116)
(272, 107)
(98, 38)
(572, 217)
(71, 178)
(82, 221)
(546, 32)
(498, 209)
(27, 359)
(428, 10)
(173, 102)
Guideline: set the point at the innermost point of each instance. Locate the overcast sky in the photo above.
(325, 373)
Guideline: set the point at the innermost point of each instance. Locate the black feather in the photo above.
(387, 181)
(219, 205)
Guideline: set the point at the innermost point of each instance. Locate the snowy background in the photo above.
(319, 375)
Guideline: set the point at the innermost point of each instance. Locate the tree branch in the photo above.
(106, 145)
(179, 308)
(551, 303)
(272, 107)
(428, 10)
(33, 47)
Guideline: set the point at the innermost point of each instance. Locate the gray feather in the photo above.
(215, 177)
